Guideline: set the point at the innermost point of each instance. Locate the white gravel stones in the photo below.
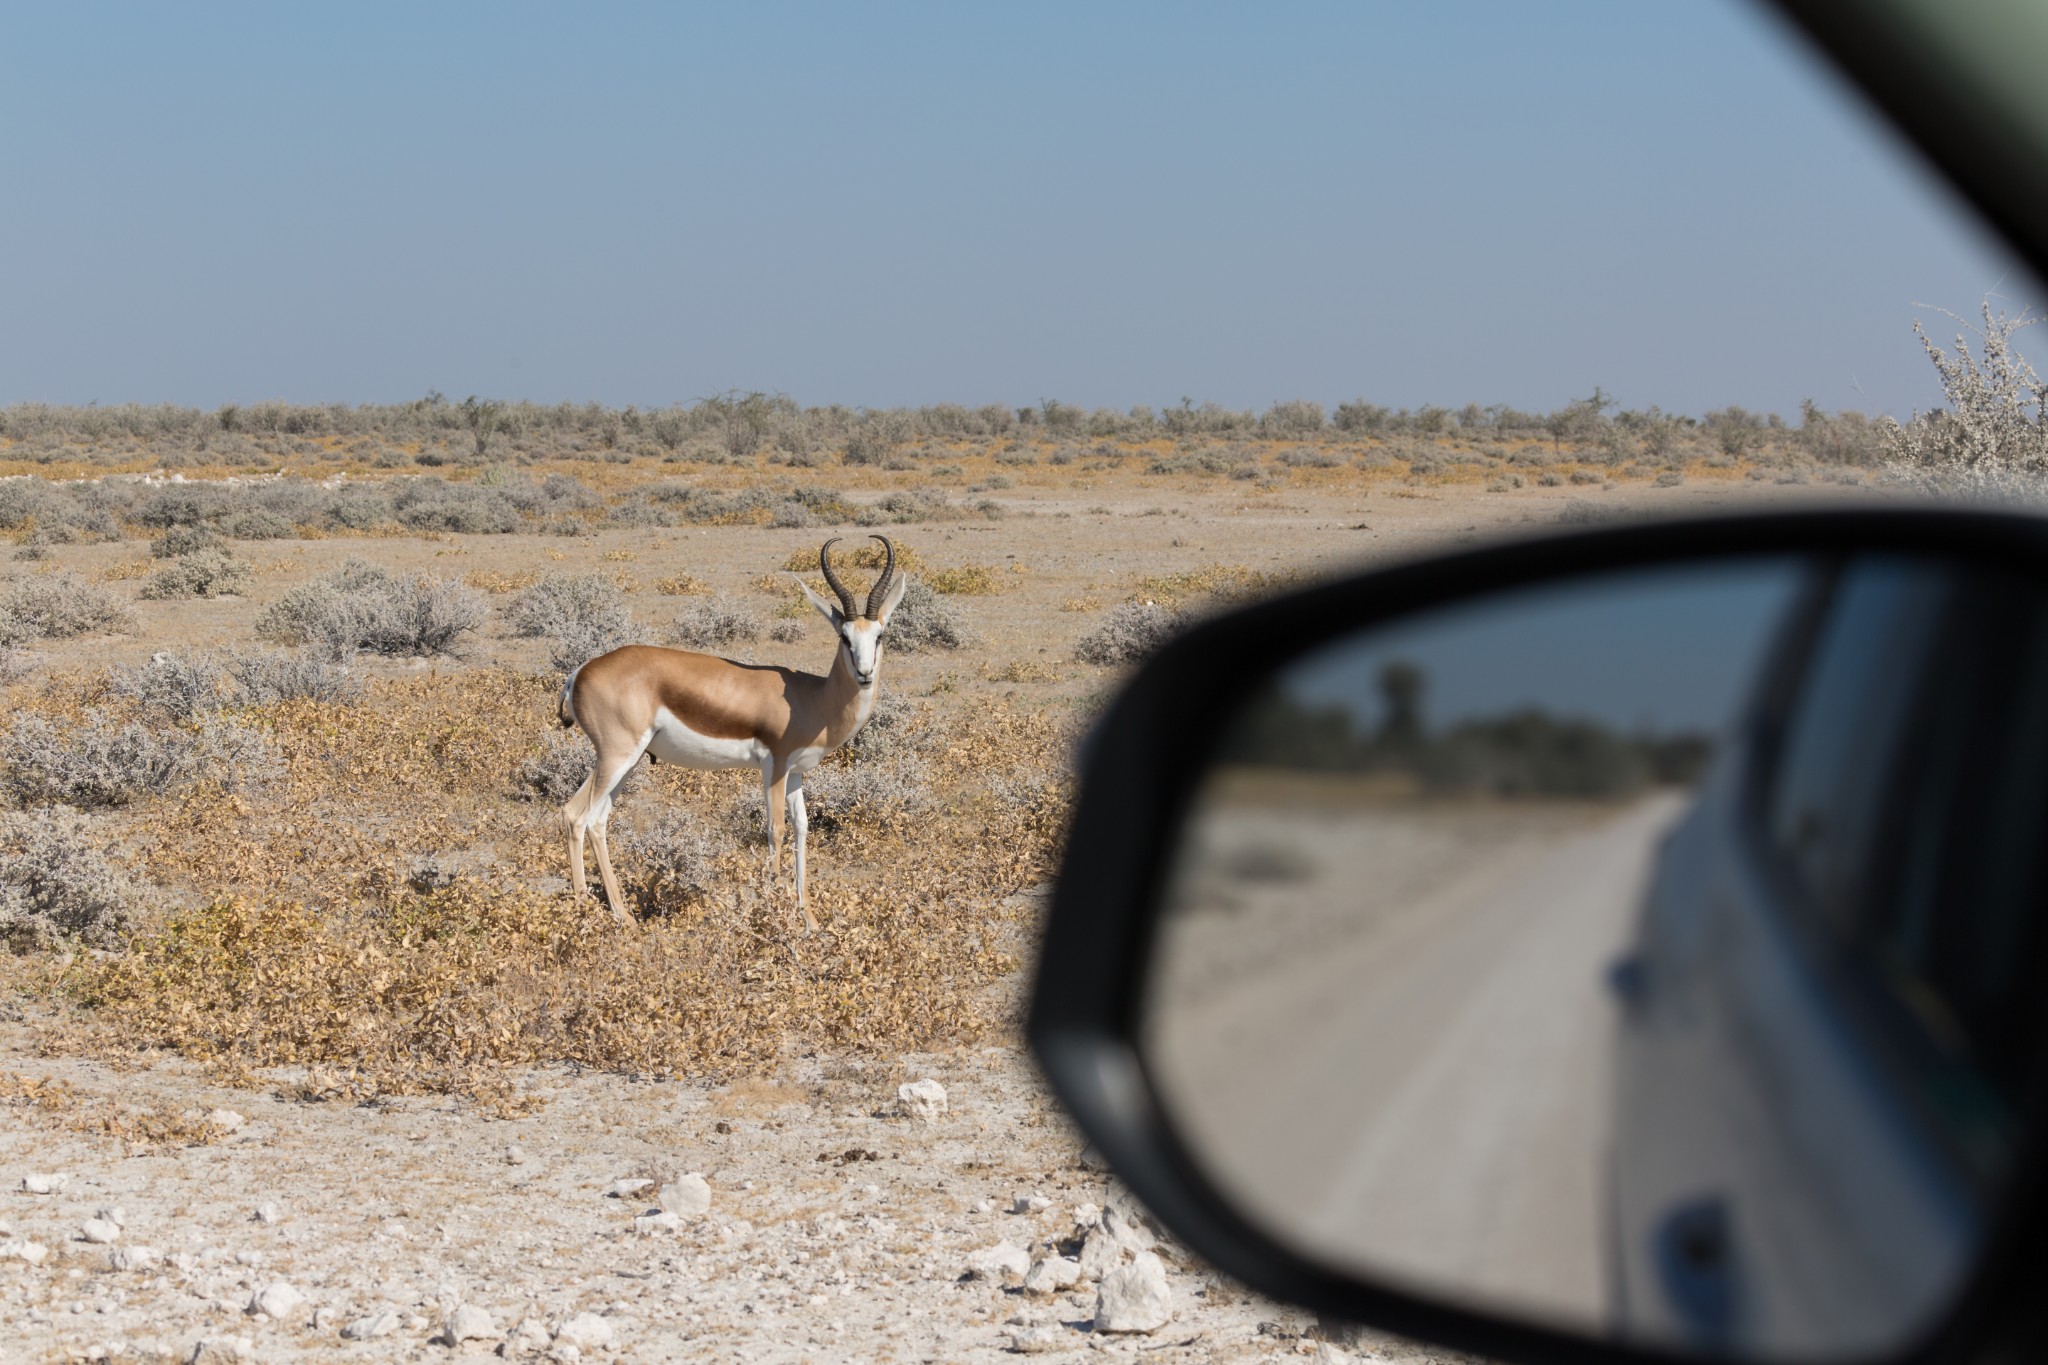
(23, 1250)
(44, 1184)
(1100, 1254)
(1125, 1222)
(1135, 1298)
(585, 1331)
(227, 1120)
(268, 1214)
(657, 1221)
(1030, 1203)
(99, 1232)
(626, 1189)
(114, 1214)
(1001, 1263)
(1086, 1216)
(925, 1099)
(276, 1301)
(1032, 1341)
(370, 1327)
(1051, 1275)
(515, 1155)
(132, 1258)
(208, 1350)
(687, 1196)
(467, 1323)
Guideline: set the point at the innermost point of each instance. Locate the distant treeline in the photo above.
(1527, 752)
(739, 424)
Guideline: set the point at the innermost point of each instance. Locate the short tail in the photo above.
(565, 708)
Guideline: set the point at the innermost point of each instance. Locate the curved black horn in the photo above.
(832, 579)
(880, 592)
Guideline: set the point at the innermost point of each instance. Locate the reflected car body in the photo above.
(1815, 1094)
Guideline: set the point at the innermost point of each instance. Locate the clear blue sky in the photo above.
(1104, 203)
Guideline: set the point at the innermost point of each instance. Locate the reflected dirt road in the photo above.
(1389, 1032)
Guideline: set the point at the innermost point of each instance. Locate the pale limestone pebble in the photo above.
(219, 1350)
(52, 1183)
(1101, 1253)
(530, 1337)
(1032, 1341)
(413, 1322)
(1135, 1298)
(626, 1189)
(1051, 1275)
(515, 1155)
(115, 1214)
(325, 1318)
(1003, 1263)
(132, 1257)
(585, 1332)
(276, 1300)
(371, 1326)
(1127, 1223)
(925, 1100)
(1086, 1216)
(687, 1196)
(99, 1232)
(657, 1221)
(1029, 1203)
(467, 1323)
(268, 1214)
(23, 1250)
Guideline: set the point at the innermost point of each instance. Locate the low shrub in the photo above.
(59, 606)
(203, 573)
(273, 675)
(362, 607)
(557, 771)
(178, 684)
(561, 600)
(104, 759)
(56, 887)
(874, 792)
(1129, 632)
(714, 624)
(183, 540)
(923, 621)
(673, 858)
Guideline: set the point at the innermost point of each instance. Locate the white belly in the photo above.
(675, 742)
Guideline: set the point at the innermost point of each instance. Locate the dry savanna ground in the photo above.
(298, 988)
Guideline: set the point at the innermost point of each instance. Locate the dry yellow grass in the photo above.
(58, 1105)
(497, 583)
(964, 580)
(681, 585)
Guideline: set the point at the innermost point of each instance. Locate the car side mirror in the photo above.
(1614, 947)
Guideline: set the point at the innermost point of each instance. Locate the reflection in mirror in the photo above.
(1618, 953)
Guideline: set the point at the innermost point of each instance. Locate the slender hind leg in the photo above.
(800, 828)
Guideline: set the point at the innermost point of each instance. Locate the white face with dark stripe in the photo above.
(860, 638)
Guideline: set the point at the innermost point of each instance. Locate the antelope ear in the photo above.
(889, 602)
(825, 609)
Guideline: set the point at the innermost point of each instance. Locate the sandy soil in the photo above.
(416, 1207)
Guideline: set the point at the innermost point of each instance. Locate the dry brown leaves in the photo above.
(56, 1103)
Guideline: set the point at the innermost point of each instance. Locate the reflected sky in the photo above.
(1675, 649)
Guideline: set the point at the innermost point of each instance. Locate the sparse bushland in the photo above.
(714, 623)
(57, 607)
(304, 940)
(362, 607)
(1992, 439)
(582, 616)
(1129, 633)
(200, 573)
(98, 756)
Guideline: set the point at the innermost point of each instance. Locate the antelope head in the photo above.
(859, 628)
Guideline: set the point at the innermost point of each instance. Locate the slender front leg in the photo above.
(800, 825)
(589, 811)
(775, 781)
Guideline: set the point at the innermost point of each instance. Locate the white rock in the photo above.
(99, 1232)
(515, 1155)
(371, 1327)
(1051, 1275)
(268, 1214)
(528, 1338)
(468, 1323)
(1032, 1341)
(585, 1332)
(227, 1120)
(325, 1318)
(44, 1184)
(659, 1220)
(114, 1214)
(1086, 1216)
(565, 1352)
(1030, 1203)
(276, 1301)
(1001, 1262)
(984, 1206)
(687, 1196)
(1135, 1298)
(209, 1349)
(626, 1189)
(925, 1099)
(1100, 1254)
(132, 1258)
(24, 1250)
(1126, 1223)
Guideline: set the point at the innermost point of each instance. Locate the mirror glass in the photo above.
(1643, 954)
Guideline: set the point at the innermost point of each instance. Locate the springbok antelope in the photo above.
(705, 712)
